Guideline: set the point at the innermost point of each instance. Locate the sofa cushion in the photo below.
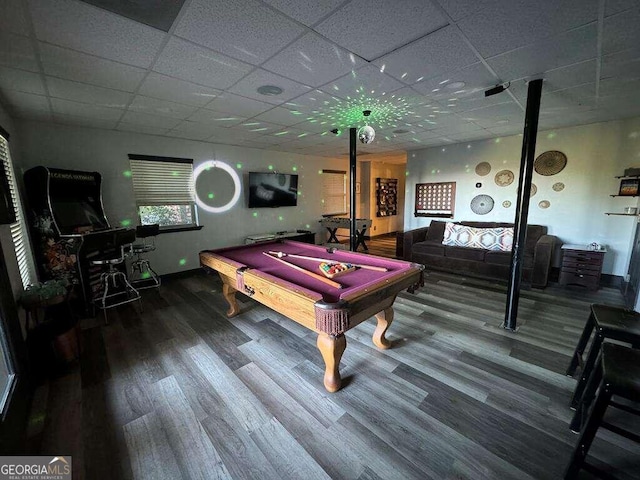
(465, 253)
(429, 248)
(499, 238)
(498, 258)
(436, 230)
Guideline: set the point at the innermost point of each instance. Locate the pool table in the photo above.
(301, 293)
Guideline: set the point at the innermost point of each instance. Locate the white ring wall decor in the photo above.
(236, 182)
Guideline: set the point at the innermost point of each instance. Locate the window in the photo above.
(163, 190)
(18, 229)
(334, 192)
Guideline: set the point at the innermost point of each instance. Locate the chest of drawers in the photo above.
(581, 266)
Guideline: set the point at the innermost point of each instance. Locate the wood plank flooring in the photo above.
(180, 391)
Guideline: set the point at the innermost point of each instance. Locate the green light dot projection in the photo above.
(183, 261)
(255, 214)
(295, 169)
(270, 167)
(145, 275)
(280, 217)
(211, 195)
(126, 173)
(125, 223)
(238, 166)
(175, 174)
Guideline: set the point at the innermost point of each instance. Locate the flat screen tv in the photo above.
(272, 190)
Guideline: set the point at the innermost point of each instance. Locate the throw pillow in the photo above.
(496, 239)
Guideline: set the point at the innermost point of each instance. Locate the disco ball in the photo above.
(366, 134)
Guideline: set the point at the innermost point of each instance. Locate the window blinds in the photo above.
(18, 229)
(334, 192)
(162, 182)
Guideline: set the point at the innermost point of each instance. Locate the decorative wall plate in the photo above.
(482, 204)
(534, 189)
(544, 204)
(483, 168)
(506, 204)
(549, 163)
(504, 178)
(558, 187)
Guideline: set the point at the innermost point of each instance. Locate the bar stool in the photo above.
(617, 372)
(613, 323)
(116, 289)
(140, 267)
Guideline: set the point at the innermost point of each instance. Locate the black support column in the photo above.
(522, 208)
(353, 137)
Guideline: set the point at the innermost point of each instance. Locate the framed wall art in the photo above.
(435, 199)
(629, 187)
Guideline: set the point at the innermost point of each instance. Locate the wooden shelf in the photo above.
(628, 176)
(629, 196)
(623, 214)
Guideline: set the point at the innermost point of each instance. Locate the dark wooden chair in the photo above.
(617, 372)
(613, 323)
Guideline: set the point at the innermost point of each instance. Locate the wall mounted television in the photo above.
(272, 190)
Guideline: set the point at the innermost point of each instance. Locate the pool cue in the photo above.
(306, 272)
(366, 267)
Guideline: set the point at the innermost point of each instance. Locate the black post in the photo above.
(534, 93)
(353, 137)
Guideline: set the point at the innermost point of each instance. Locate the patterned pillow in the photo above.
(497, 239)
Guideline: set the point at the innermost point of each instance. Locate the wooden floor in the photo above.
(180, 391)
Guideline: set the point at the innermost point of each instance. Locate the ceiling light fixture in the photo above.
(455, 85)
(269, 90)
(497, 89)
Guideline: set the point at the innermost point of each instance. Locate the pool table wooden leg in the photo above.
(229, 294)
(331, 347)
(385, 317)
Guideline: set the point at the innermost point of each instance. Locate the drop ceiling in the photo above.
(191, 69)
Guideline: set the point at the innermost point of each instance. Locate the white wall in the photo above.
(106, 151)
(596, 154)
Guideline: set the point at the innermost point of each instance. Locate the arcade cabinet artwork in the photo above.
(68, 226)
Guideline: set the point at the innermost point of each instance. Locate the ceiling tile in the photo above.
(315, 100)
(565, 49)
(621, 31)
(237, 105)
(159, 14)
(308, 13)
(248, 86)
(85, 121)
(61, 62)
(66, 107)
(281, 116)
(622, 65)
(242, 29)
(615, 6)
(26, 101)
(614, 86)
(459, 9)
(92, 30)
(21, 80)
(558, 79)
(151, 120)
(163, 108)
(139, 128)
(12, 18)
(219, 119)
(367, 81)
(313, 61)
(435, 54)
(197, 64)
(81, 92)
(395, 25)
(504, 25)
(195, 130)
(17, 52)
(174, 90)
(313, 125)
(476, 78)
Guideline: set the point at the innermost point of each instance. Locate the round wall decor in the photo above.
(504, 178)
(558, 187)
(544, 204)
(534, 189)
(506, 203)
(482, 204)
(550, 163)
(483, 168)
